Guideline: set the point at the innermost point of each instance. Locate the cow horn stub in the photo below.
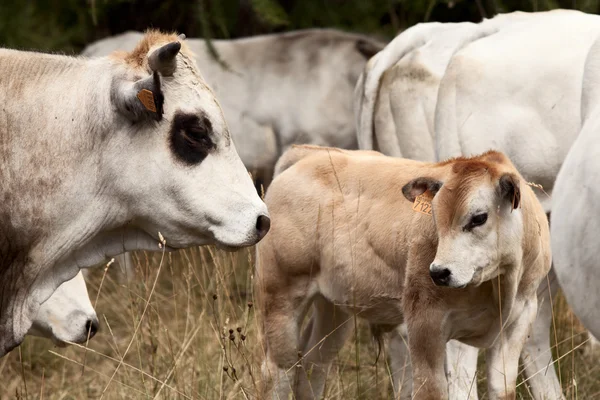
(163, 59)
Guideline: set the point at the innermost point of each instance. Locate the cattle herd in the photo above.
(410, 184)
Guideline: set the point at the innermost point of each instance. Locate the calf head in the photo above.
(479, 231)
(176, 168)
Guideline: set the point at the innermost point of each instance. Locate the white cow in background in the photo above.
(68, 315)
(280, 89)
(576, 208)
(513, 91)
(396, 95)
(107, 155)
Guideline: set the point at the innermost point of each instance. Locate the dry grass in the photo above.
(198, 339)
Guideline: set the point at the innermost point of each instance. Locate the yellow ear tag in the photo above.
(422, 203)
(147, 99)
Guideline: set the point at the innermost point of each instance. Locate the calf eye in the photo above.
(476, 220)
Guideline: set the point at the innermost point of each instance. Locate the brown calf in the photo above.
(348, 237)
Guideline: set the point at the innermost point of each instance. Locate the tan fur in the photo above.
(344, 234)
(138, 57)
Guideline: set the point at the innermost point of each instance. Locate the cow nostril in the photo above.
(263, 224)
(91, 326)
(440, 276)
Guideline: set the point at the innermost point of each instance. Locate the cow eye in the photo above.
(190, 138)
(199, 135)
(476, 220)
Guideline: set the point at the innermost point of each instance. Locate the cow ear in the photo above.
(140, 100)
(368, 48)
(509, 189)
(419, 186)
(164, 59)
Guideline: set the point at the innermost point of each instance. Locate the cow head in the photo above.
(176, 168)
(68, 315)
(479, 231)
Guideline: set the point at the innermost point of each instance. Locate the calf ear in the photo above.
(419, 186)
(509, 188)
(140, 100)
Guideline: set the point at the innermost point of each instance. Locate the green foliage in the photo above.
(271, 12)
(68, 25)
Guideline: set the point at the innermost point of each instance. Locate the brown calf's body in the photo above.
(345, 239)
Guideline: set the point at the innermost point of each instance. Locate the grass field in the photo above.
(168, 335)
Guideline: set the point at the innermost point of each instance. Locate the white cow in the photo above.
(576, 207)
(396, 95)
(107, 155)
(68, 315)
(515, 92)
(284, 88)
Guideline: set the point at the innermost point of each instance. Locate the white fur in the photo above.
(518, 91)
(575, 208)
(65, 315)
(294, 87)
(396, 95)
(104, 185)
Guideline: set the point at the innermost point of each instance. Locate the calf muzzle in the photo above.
(440, 275)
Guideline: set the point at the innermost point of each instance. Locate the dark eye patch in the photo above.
(475, 221)
(191, 138)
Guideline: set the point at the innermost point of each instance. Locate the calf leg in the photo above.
(282, 318)
(427, 346)
(536, 357)
(461, 370)
(400, 366)
(326, 333)
(503, 357)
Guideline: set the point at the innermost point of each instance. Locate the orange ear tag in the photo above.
(422, 203)
(147, 99)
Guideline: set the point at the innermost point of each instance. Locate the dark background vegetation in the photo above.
(68, 25)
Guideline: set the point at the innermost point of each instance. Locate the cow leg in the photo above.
(461, 370)
(329, 329)
(400, 366)
(503, 357)
(536, 357)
